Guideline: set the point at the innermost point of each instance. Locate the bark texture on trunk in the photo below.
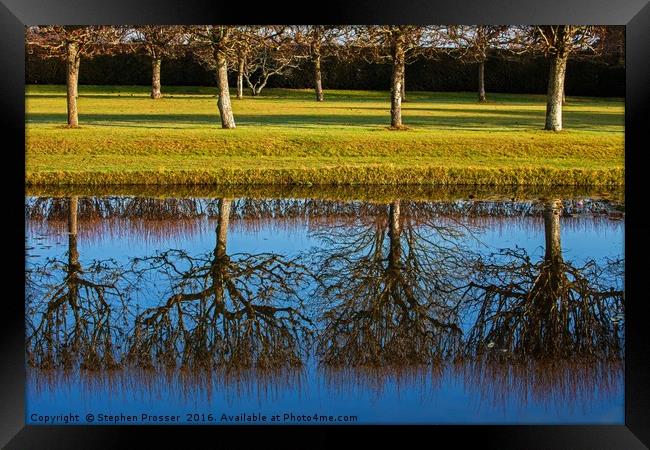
(76, 85)
(155, 78)
(481, 82)
(240, 79)
(555, 93)
(318, 82)
(223, 101)
(72, 82)
(397, 81)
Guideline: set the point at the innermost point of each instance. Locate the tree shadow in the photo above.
(444, 119)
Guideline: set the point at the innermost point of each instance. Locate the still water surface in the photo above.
(392, 310)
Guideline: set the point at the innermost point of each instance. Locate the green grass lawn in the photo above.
(286, 137)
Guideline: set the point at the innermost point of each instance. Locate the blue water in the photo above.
(424, 397)
(448, 401)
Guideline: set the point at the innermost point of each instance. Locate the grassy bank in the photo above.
(285, 137)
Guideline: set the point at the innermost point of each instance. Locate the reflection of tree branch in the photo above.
(70, 319)
(388, 289)
(234, 311)
(550, 309)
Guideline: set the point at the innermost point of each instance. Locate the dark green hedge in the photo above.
(588, 77)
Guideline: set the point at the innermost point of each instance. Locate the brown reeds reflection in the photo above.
(368, 193)
(187, 385)
(550, 384)
(157, 219)
(423, 380)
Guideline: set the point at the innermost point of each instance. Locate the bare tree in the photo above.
(70, 43)
(399, 45)
(272, 51)
(558, 42)
(321, 41)
(474, 44)
(157, 42)
(214, 46)
(246, 42)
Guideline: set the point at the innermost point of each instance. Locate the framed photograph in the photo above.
(263, 221)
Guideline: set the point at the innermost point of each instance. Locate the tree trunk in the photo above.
(222, 227)
(404, 85)
(552, 211)
(240, 79)
(263, 84)
(318, 83)
(76, 85)
(223, 101)
(73, 203)
(155, 78)
(73, 253)
(481, 82)
(72, 81)
(220, 262)
(554, 94)
(397, 80)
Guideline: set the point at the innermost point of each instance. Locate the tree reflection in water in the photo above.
(71, 317)
(226, 311)
(388, 290)
(549, 331)
(401, 299)
(548, 309)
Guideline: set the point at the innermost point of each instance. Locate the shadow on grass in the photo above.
(474, 120)
(138, 96)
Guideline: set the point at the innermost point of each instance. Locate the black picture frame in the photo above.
(635, 14)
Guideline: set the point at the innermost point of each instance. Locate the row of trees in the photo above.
(257, 53)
